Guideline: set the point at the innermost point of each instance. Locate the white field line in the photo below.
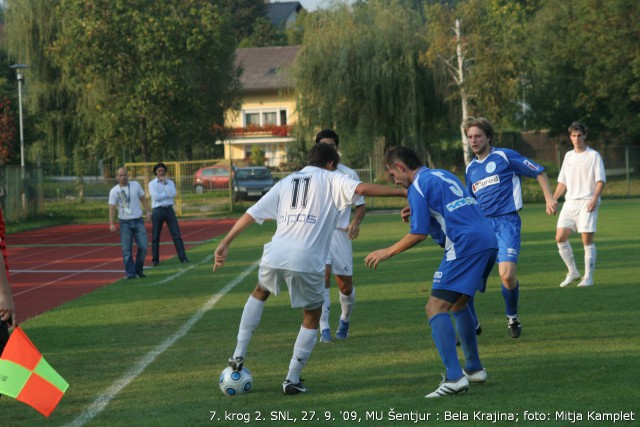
(60, 279)
(110, 393)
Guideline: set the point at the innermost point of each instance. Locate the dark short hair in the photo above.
(481, 123)
(328, 133)
(577, 127)
(159, 165)
(402, 154)
(321, 154)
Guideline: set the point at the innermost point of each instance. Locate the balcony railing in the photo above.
(257, 130)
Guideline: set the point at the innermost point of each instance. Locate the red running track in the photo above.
(53, 265)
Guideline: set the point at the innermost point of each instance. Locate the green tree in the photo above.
(264, 34)
(152, 77)
(489, 54)
(242, 14)
(257, 155)
(8, 120)
(51, 127)
(359, 72)
(588, 68)
(7, 130)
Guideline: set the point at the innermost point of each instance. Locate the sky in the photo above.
(311, 5)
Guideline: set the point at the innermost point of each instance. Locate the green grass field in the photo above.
(149, 353)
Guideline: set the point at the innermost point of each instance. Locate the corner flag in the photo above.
(27, 377)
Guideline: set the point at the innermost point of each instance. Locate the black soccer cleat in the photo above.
(236, 363)
(515, 328)
(290, 388)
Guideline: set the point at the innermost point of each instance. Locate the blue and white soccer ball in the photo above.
(233, 383)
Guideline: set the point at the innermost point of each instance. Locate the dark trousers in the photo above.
(159, 216)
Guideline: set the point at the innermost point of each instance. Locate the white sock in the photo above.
(346, 302)
(326, 306)
(301, 351)
(589, 260)
(248, 323)
(566, 253)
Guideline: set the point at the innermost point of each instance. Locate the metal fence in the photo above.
(191, 199)
(21, 192)
(24, 191)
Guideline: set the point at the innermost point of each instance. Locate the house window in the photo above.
(270, 118)
(265, 117)
(252, 118)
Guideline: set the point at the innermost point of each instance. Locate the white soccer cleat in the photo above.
(585, 282)
(569, 279)
(479, 376)
(450, 387)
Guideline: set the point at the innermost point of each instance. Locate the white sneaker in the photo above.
(585, 282)
(570, 278)
(450, 387)
(479, 376)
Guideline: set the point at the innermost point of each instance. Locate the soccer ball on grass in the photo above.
(233, 383)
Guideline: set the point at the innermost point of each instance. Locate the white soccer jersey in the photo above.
(127, 200)
(580, 172)
(345, 214)
(306, 206)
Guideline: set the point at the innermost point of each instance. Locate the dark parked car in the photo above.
(251, 183)
(211, 177)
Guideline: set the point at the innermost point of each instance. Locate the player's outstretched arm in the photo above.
(405, 213)
(367, 189)
(223, 247)
(560, 189)
(353, 230)
(408, 241)
(551, 203)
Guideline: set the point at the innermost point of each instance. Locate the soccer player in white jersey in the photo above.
(306, 206)
(443, 208)
(340, 260)
(582, 176)
(493, 178)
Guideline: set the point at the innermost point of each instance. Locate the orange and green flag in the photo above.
(27, 377)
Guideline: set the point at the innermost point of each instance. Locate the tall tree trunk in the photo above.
(143, 139)
(463, 95)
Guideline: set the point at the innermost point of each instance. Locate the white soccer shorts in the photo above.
(305, 289)
(341, 254)
(574, 216)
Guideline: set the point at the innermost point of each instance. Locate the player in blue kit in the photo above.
(443, 208)
(493, 178)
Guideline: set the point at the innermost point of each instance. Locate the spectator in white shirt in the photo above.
(162, 191)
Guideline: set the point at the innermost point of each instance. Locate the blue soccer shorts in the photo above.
(466, 275)
(507, 229)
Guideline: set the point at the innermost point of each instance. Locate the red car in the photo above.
(211, 177)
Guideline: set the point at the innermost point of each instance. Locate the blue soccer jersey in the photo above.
(443, 208)
(495, 180)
